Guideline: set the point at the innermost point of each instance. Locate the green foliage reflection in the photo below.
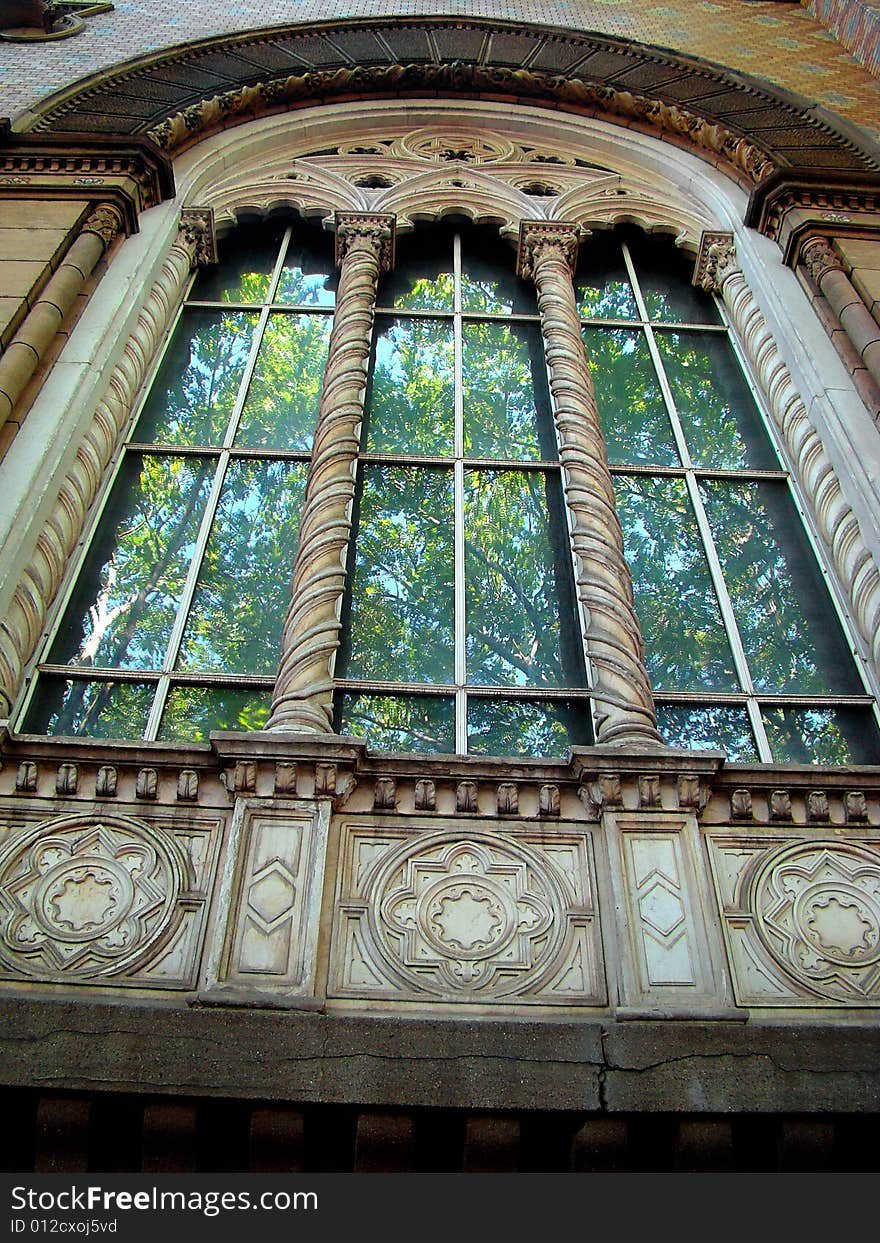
(89, 709)
(519, 727)
(822, 735)
(421, 723)
(283, 398)
(192, 712)
(635, 424)
(410, 402)
(501, 416)
(708, 729)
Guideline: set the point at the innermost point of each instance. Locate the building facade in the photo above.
(440, 636)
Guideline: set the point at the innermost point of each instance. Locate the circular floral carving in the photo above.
(466, 916)
(818, 914)
(456, 148)
(86, 898)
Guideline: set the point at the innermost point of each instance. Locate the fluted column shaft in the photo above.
(26, 349)
(304, 688)
(623, 702)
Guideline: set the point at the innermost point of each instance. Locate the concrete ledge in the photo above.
(594, 1064)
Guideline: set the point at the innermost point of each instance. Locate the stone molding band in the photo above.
(718, 270)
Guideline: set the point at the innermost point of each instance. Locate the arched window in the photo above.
(461, 624)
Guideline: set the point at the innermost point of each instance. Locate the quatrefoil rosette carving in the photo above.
(473, 916)
(85, 899)
(817, 908)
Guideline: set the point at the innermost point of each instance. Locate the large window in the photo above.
(461, 629)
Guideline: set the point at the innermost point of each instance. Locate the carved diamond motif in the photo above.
(660, 907)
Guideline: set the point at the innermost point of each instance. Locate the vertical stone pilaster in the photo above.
(624, 705)
(304, 687)
(828, 274)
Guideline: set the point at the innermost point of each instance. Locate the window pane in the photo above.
(195, 390)
(399, 723)
(308, 274)
(708, 729)
(665, 277)
(244, 586)
(422, 276)
(822, 735)
(128, 592)
(504, 377)
(402, 598)
(518, 727)
(488, 281)
(245, 269)
(671, 581)
(634, 419)
(193, 711)
(89, 709)
(283, 398)
(520, 605)
(716, 408)
(410, 400)
(602, 287)
(789, 629)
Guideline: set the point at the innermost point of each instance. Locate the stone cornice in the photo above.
(131, 172)
(794, 202)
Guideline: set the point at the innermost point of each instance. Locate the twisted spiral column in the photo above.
(24, 619)
(624, 704)
(304, 687)
(718, 270)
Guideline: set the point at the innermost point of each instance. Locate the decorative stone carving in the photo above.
(66, 779)
(274, 919)
(548, 801)
(83, 898)
(818, 808)
(244, 777)
(325, 780)
(425, 795)
(668, 953)
(693, 793)
(304, 687)
(466, 916)
(105, 222)
(507, 799)
(649, 791)
(717, 255)
(147, 783)
(779, 805)
(385, 794)
(741, 805)
(856, 807)
(801, 919)
(187, 785)
(285, 778)
(837, 523)
(26, 777)
(466, 796)
(198, 232)
(105, 782)
(624, 706)
(819, 259)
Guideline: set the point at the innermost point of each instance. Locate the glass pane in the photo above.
(126, 599)
(686, 644)
(602, 287)
(716, 408)
(708, 729)
(518, 727)
(506, 399)
(399, 723)
(634, 419)
(422, 279)
(243, 590)
(195, 390)
(822, 735)
(283, 398)
(410, 402)
(245, 269)
(89, 709)
(308, 274)
(488, 281)
(520, 603)
(193, 711)
(665, 277)
(402, 599)
(789, 629)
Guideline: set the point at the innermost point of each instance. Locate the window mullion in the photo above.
(458, 502)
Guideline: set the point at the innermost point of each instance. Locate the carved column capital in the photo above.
(374, 230)
(716, 261)
(198, 235)
(105, 222)
(545, 238)
(819, 259)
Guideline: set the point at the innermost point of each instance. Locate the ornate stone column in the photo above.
(29, 344)
(624, 705)
(830, 278)
(23, 611)
(718, 270)
(304, 687)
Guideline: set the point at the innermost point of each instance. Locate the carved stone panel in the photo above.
(669, 953)
(277, 869)
(104, 899)
(801, 918)
(466, 913)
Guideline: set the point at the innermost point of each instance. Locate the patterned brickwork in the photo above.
(781, 42)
